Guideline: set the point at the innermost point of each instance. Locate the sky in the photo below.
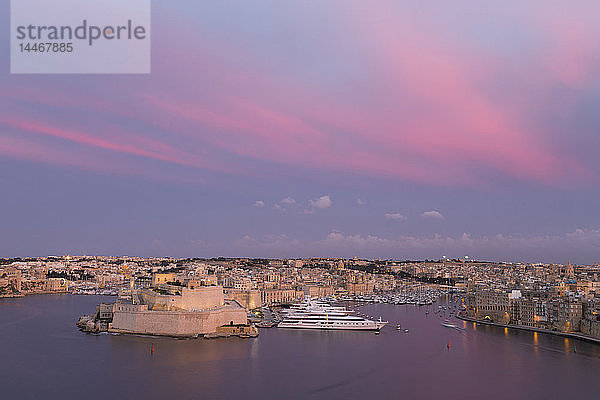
(380, 129)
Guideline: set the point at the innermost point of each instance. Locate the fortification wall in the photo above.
(249, 299)
(176, 323)
(202, 298)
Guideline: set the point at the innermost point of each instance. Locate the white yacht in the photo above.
(448, 324)
(315, 315)
(315, 305)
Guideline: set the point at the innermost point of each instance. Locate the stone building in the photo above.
(491, 304)
(10, 277)
(527, 312)
(359, 288)
(318, 291)
(590, 323)
(160, 278)
(56, 285)
(278, 296)
(569, 314)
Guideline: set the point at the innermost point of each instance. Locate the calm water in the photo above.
(44, 356)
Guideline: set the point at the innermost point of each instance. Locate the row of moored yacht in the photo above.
(312, 314)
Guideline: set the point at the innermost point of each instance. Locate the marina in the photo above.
(420, 295)
(39, 332)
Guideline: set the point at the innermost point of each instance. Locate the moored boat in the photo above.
(315, 315)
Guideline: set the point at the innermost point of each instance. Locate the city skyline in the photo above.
(337, 129)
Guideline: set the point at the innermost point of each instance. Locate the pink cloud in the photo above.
(107, 137)
(455, 120)
(421, 113)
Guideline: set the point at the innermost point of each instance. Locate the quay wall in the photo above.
(175, 323)
(528, 328)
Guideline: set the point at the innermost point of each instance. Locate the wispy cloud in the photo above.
(395, 216)
(361, 202)
(432, 214)
(259, 203)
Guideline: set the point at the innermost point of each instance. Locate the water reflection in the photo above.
(288, 363)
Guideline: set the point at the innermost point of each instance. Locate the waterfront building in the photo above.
(590, 323)
(541, 314)
(278, 296)
(56, 285)
(527, 312)
(10, 280)
(490, 304)
(314, 291)
(569, 314)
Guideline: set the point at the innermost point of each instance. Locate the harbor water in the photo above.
(45, 356)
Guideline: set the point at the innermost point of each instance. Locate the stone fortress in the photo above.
(173, 306)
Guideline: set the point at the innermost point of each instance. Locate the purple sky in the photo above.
(318, 128)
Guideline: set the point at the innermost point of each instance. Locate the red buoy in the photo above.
(152, 348)
(448, 344)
